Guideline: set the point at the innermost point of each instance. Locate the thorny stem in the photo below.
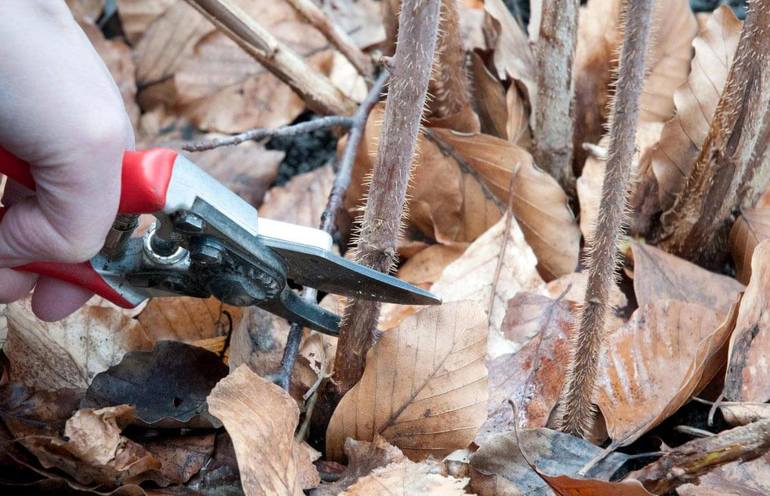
(553, 116)
(329, 215)
(381, 223)
(602, 253)
(262, 133)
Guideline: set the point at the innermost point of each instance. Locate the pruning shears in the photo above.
(206, 241)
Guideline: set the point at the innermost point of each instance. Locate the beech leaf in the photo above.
(424, 388)
(656, 362)
(748, 372)
(407, 478)
(261, 419)
(682, 137)
(751, 228)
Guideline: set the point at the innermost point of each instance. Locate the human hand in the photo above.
(60, 111)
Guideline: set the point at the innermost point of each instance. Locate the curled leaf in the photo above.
(751, 228)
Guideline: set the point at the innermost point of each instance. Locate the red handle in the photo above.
(144, 181)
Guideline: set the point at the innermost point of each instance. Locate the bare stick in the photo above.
(337, 37)
(329, 215)
(262, 133)
(686, 463)
(381, 223)
(553, 113)
(602, 252)
(316, 90)
(732, 168)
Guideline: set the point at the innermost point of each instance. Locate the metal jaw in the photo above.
(209, 242)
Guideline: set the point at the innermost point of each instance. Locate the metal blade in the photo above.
(293, 308)
(325, 271)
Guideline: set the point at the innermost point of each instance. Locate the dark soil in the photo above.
(304, 152)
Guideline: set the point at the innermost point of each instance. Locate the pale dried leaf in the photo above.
(346, 78)
(660, 276)
(655, 363)
(424, 387)
(137, 15)
(538, 202)
(744, 413)
(70, 352)
(261, 418)
(363, 457)
(407, 478)
(491, 271)
(426, 267)
(598, 42)
(695, 101)
(751, 228)
(533, 376)
(168, 42)
(302, 200)
(517, 126)
(748, 373)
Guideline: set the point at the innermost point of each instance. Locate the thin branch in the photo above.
(336, 36)
(381, 222)
(262, 133)
(553, 113)
(686, 463)
(329, 215)
(732, 168)
(603, 248)
(316, 90)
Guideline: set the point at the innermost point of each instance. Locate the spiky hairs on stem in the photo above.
(602, 257)
(381, 222)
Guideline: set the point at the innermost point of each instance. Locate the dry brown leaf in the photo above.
(187, 319)
(491, 271)
(426, 267)
(682, 136)
(137, 15)
(407, 478)
(533, 376)
(363, 457)
(655, 363)
(512, 57)
(599, 38)
(750, 478)
(565, 485)
(261, 419)
(589, 184)
(489, 97)
(181, 457)
(751, 228)
(538, 202)
(748, 373)
(168, 42)
(424, 388)
(70, 352)
(302, 200)
(95, 453)
(660, 276)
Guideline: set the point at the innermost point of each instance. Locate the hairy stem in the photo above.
(381, 223)
(553, 117)
(732, 168)
(329, 216)
(316, 90)
(602, 252)
(686, 463)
